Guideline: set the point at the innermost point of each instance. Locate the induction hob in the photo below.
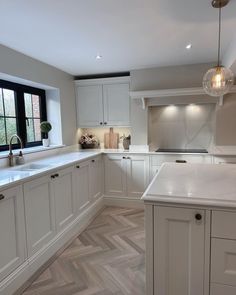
(191, 151)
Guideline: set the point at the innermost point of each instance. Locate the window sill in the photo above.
(31, 150)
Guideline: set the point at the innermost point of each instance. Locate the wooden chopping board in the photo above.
(111, 140)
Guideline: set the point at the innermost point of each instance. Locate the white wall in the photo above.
(18, 65)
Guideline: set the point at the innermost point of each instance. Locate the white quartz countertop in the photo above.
(18, 174)
(196, 184)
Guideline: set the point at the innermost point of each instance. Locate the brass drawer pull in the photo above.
(2, 197)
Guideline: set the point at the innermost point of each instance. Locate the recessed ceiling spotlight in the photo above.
(189, 46)
(98, 56)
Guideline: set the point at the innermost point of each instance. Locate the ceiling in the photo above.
(129, 34)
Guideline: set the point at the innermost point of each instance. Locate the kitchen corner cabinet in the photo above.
(96, 178)
(103, 102)
(126, 176)
(12, 230)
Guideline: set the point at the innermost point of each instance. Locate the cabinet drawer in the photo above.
(217, 289)
(223, 262)
(224, 225)
(160, 159)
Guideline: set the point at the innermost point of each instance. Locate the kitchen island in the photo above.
(191, 230)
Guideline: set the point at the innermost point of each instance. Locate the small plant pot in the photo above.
(46, 142)
(88, 146)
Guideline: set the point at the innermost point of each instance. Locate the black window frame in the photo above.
(21, 119)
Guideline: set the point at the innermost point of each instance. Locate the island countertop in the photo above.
(196, 184)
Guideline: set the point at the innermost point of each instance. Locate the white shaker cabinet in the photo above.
(12, 230)
(90, 105)
(96, 178)
(116, 104)
(65, 201)
(126, 175)
(115, 175)
(103, 102)
(179, 251)
(39, 213)
(137, 175)
(81, 185)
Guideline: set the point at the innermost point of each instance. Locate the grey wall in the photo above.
(19, 65)
(226, 121)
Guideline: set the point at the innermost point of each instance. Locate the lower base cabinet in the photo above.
(126, 176)
(39, 213)
(179, 251)
(12, 230)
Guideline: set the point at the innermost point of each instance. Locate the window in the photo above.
(22, 108)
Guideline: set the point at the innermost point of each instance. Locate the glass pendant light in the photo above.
(218, 80)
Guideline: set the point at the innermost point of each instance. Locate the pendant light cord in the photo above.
(219, 37)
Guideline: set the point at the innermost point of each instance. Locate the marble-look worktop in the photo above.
(195, 184)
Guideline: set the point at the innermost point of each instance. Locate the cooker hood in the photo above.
(175, 96)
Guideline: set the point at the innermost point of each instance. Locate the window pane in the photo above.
(2, 132)
(1, 103)
(30, 130)
(11, 129)
(36, 106)
(28, 105)
(37, 130)
(9, 102)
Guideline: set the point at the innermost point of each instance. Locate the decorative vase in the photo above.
(126, 143)
(46, 142)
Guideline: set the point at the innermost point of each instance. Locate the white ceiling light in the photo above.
(218, 80)
(98, 56)
(189, 46)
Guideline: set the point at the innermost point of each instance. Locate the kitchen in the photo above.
(145, 204)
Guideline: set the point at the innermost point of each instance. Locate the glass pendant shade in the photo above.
(218, 81)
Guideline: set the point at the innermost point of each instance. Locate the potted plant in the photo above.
(88, 141)
(45, 127)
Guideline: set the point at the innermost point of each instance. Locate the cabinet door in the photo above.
(64, 198)
(178, 251)
(89, 105)
(115, 175)
(12, 230)
(95, 178)
(116, 104)
(137, 175)
(39, 213)
(81, 182)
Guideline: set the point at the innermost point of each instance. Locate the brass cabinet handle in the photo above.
(124, 157)
(2, 197)
(93, 161)
(198, 216)
(78, 166)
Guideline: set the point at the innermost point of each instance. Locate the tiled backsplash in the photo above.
(182, 126)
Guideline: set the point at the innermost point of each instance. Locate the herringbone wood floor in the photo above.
(107, 258)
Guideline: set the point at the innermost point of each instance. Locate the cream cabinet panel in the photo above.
(115, 175)
(116, 104)
(223, 225)
(217, 289)
(96, 178)
(12, 230)
(65, 202)
(178, 251)
(89, 105)
(39, 213)
(81, 182)
(223, 261)
(137, 175)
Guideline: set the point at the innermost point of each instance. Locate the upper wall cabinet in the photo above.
(103, 102)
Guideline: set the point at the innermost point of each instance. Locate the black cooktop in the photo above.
(197, 151)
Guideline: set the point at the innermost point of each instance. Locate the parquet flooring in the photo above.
(107, 258)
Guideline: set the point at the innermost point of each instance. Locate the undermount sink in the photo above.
(32, 166)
